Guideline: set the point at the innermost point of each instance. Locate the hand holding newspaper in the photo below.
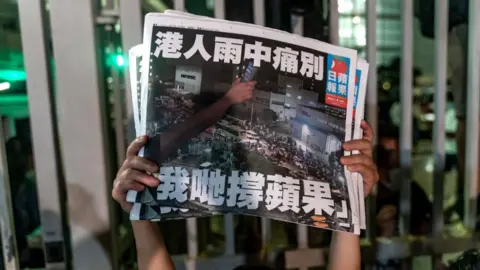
(247, 120)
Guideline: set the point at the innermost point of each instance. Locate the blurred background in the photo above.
(66, 122)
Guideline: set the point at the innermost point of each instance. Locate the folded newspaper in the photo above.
(248, 120)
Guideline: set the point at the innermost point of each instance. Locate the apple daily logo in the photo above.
(337, 81)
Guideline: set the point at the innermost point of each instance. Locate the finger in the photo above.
(367, 131)
(368, 173)
(252, 83)
(141, 164)
(236, 81)
(120, 197)
(136, 145)
(120, 188)
(141, 177)
(318, 218)
(367, 188)
(358, 159)
(320, 225)
(248, 90)
(126, 206)
(362, 145)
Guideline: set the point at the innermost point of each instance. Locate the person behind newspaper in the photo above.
(151, 250)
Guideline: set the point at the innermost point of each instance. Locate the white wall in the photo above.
(290, 113)
(332, 144)
(191, 77)
(261, 97)
(308, 98)
(291, 97)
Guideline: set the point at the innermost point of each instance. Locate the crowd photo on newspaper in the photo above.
(245, 120)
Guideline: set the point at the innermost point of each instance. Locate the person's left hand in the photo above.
(363, 162)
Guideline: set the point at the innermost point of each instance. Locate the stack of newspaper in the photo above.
(247, 120)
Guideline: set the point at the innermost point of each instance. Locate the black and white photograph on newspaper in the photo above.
(244, 120)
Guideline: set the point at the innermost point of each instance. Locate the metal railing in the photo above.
(79, 135)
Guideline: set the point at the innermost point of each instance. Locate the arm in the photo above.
(345, 247)
(151, 251)
(344, 252)
(132, 175)
(170, 140)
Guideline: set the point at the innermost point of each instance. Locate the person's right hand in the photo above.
(240, 92)
(133, 174)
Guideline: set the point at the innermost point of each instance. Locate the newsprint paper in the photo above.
(272, 153)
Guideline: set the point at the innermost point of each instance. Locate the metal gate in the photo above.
(72, 148)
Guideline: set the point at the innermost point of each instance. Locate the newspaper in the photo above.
(282, 162)
(357, 219)
(146, 211)
(359, 112)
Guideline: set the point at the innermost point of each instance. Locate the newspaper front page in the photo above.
(273, 153)
(360, 88)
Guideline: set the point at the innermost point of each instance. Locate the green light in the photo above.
(120, 61)
(4, 86)
(12, 75)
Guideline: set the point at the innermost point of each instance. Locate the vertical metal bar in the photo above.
(334, 22)
(6, 128)
(297, 24)
(109, 4)
(473, 97)
(372, 112)
(219, 9)
(276, 14)
(192, 238)
(259, 12)
(82, 129)
(118, 107)
(302, 236)
(44, 130)
(120, 138)
(441, 40)
(132, 29)
(179, 5)
(406, 82)
(229, 225)
(302, 230)
(266, 231)
(7, 225)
